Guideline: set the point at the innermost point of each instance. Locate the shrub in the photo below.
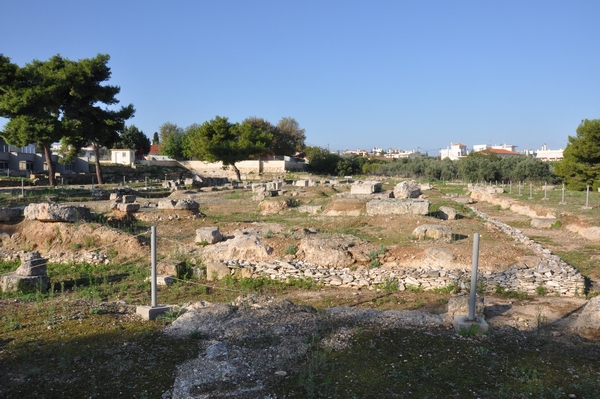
(291, 250)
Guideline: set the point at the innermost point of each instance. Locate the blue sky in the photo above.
(354, 74)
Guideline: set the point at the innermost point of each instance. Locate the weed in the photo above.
(472, 331)
(389, 285)
(414, 288)
(451, 288)
(269, 234)
(503, 292)
(556, 225)
(169, 316)
(291, 250)
(541, 290)
(98, 311)
(374, 263)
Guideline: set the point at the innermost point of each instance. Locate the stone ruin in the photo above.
(50, 212)
(31, 276)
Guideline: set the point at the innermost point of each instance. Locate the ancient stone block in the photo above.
(47, 212)
(433, 231)
(209, 235)
(216, 270)
(394, 206)
(447, 213)
(407, 189)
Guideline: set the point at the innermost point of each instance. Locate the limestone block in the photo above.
(433, 231)
(367, 187)
(173, 268)
(272, 207)
(588, 323)
(542, 223)
(129, 208)
(13, 282)
(32, 264)
(258, 187)
(216, 270)
(114, 196)
(459, 306)
(274, 185)
(247, 247)
(46, 212)
(407, 189)
(394, 206)
(447, 213)
(301, 183)
(170, 204)
(210, 235)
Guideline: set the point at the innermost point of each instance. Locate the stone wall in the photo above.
(550, 272)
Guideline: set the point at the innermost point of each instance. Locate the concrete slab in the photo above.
(462, 323)
(151, 313)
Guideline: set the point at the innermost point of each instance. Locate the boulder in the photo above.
(216, 270)
(407, 189)
(542, 223)
(328, 252)
(588, 323)
(459, 306)
(127, 207)
(47, 212)
(447, 213)
(272, 207)
(170, 204)
(210, 235)
(247, 247)
(394, 206)
(365, 188)
(433, 231)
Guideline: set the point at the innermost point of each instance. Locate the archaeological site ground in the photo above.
(301, 287)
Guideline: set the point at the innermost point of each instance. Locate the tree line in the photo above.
(476, 167)
(221, 140)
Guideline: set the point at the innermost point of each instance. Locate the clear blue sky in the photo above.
(354, 74)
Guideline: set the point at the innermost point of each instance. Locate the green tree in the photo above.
(580, 166)
(33, 98)
(320, 160)
(95, 125)
(289, 137)
(172, 139)
(155, 139)
(220, 140)
(134, 139)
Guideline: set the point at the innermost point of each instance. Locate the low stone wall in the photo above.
(552, 273)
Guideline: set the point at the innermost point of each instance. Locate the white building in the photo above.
(549, 155)
(455, 152)
(122, 156)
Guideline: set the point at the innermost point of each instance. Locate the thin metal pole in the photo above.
(474, 276)
(563, 195)
(530, 190)
(153, 263)
(22, 188)
(545, 190)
